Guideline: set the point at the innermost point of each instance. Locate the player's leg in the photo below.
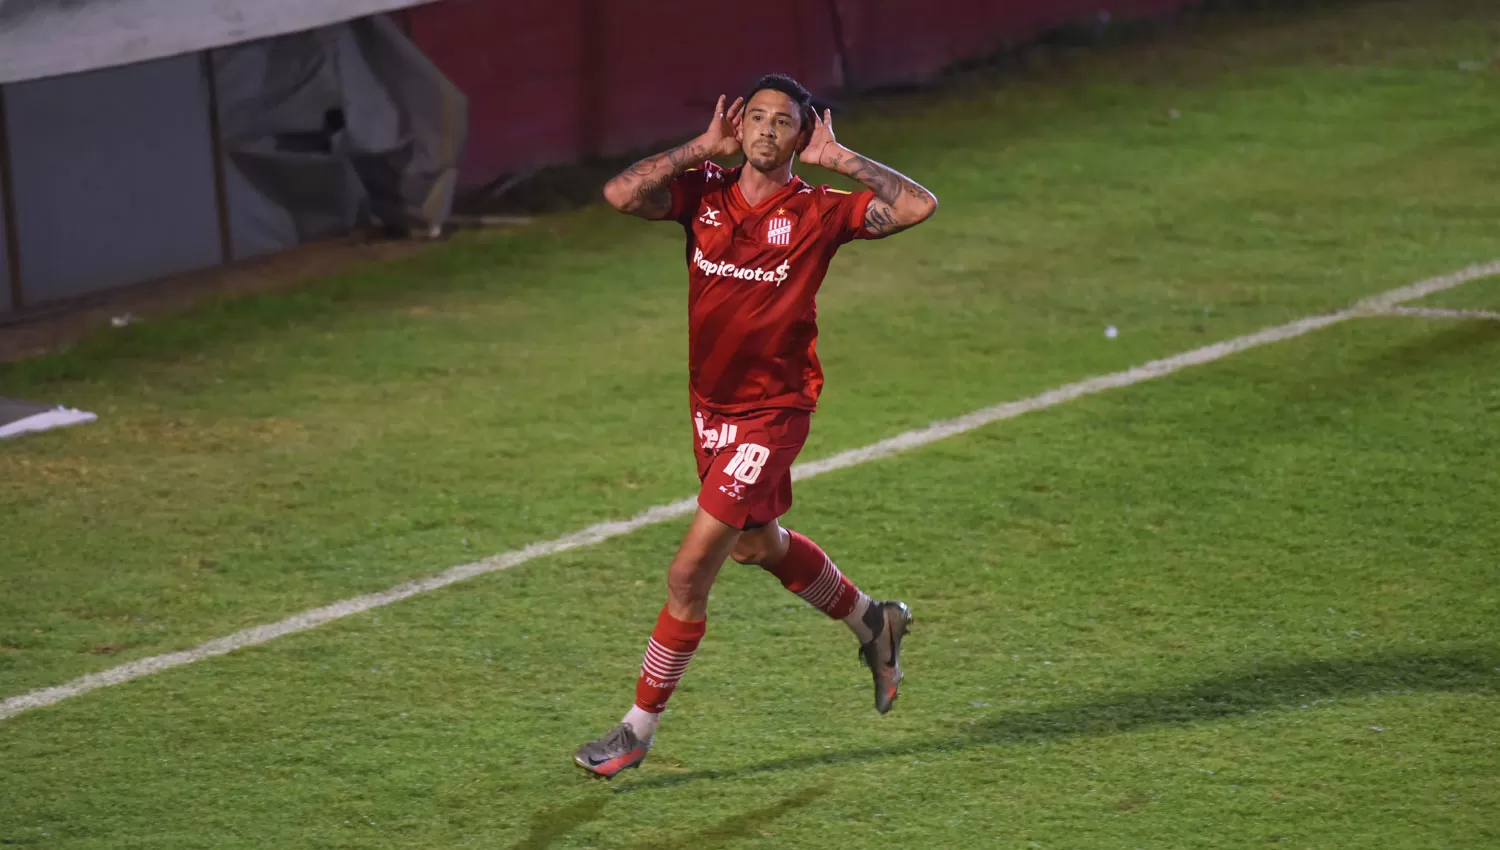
(804, 569)
(682, 621)
(679, 628)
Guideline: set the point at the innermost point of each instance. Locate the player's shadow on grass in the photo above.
(550, 824)
(1332, 384)
(736, 827)
(1269, 688)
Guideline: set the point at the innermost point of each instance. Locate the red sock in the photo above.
(667, 655)
(807, 572)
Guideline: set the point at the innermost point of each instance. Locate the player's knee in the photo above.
(687, 581)
(761, 548)
(750, 553)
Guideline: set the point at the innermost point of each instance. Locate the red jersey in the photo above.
(753, 275)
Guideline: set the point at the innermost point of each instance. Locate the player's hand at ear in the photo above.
(723, 133)
(822, 148)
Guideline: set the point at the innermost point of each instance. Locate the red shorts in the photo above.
(745, 463)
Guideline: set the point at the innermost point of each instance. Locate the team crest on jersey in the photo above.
(779, 227)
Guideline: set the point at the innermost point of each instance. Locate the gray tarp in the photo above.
(323, 128)
(44, 38)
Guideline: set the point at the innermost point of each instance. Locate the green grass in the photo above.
(1482, 295)
(1167, 616)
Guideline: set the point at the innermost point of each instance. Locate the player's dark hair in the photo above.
(792, 89)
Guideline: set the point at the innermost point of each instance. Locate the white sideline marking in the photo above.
(662, 513)
(60, 417)
(1437, 313)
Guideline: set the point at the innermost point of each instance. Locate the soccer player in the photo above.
(759, 241)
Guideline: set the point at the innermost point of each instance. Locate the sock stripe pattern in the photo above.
(671, 647)
(808, 572)
(824, 590)
(662, 666)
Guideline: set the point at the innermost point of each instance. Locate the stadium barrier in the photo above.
(550, 82)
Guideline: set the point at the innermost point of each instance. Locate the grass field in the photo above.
(1252, 603)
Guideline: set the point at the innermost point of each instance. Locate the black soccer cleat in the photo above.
(617, 750)
(890, 622)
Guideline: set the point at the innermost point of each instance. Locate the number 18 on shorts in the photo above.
(745, 461)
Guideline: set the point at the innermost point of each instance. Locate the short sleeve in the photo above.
(844, 214)
(687, 190)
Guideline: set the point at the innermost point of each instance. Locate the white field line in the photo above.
(1431, 286)
(662, 513)
(1437, 313)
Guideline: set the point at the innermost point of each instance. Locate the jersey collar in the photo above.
(779, 196)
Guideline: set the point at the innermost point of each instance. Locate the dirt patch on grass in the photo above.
(22, 469)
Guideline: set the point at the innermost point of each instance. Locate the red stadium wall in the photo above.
(553, 80)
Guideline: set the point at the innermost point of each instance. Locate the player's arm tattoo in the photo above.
(880, 219)
(899, 201)
(642, 189)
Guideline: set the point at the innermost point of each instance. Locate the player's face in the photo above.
(772, 130)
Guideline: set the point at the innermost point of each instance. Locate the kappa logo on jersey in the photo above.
(779, 228)
(711, 216)
(777, 275)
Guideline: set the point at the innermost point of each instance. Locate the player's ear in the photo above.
(809, 123)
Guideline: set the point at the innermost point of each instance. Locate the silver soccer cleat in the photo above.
(890, 622)
(617, 750)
